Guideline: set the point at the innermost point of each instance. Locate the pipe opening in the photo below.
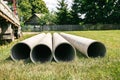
(41, 53)
(96, 49)
(64, 52)
(20, 51)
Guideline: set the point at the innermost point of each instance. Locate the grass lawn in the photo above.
(107, 68)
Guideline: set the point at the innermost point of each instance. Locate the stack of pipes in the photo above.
(60, 47)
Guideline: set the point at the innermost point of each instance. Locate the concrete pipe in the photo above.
(62, 49)
(22, 49)
(43, 51)
(89, 47)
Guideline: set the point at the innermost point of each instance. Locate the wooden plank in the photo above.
(7, 14)
(7, 19)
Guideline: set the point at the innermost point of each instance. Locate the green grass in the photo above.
(107, 68)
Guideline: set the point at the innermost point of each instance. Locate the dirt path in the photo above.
(31, 33)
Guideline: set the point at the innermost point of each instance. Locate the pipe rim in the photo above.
(73, 49)
(21, 50)
(97, 48)
(49, 59)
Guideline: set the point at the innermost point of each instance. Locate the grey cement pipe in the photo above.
(43, 51)
(22, 49)
(62, 49)
(89, 47)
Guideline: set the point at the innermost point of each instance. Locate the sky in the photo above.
(51, 4)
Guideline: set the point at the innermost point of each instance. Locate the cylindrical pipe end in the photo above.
(20, 51)
(96, 49)
(41, 53)
(64, 52)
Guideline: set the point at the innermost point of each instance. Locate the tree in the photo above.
(24, 9)
(63, 15)
(94, 10)
(74, 12)
(38, 6)
(48, 19)
(98, 11)
(114, 15)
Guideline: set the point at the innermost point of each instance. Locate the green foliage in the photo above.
(115, 12)
(95, 11)
(47, 19)
(107, 68)
(63, 14)
(74, 12)
(38, 6)
(24, 9)
(98, 11)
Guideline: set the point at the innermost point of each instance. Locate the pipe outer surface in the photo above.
(22, 49)
(62, 49)
(88, 47)
(42, 52)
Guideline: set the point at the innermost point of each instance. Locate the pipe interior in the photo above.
(64, 52)
(96, 49)
(41, 53)
(20, 51)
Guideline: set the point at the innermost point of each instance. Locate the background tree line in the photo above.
(94, 11)
(27, 8)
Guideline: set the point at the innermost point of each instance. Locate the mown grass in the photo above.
(107, 68)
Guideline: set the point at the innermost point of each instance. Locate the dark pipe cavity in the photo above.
(41, 53)
(64, 52)
(96, 49)
(20, 51)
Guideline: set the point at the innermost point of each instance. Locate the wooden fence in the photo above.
(71, 27)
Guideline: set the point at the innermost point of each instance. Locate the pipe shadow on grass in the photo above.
(79, 54)
(4, 42)
(26, 61)
(8, 58)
